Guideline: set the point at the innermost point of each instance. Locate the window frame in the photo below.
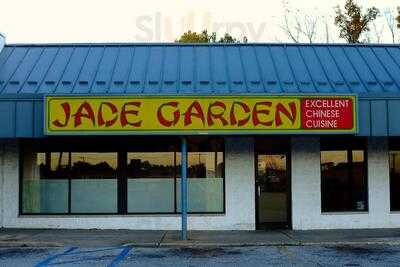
(69, 178)
(393, 145)
(122, 180)
(348, 144)
(390, 181)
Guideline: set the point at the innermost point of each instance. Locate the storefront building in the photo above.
(277, 135)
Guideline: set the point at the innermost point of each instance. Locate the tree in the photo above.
(326, 29)
(398, 17)
(391, 23)
(352, 22)
(205, 37)
(377, 30)
(290, 28)
(302, 26)
(194, 37)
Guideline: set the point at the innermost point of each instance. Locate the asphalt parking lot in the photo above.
(367, 255)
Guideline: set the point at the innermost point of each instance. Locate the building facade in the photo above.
(266, 176)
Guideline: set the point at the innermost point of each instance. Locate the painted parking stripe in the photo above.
(94, 251)
(87, 256)
(120, 257)
(51, 258)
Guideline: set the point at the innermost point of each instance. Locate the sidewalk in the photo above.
(108, 238)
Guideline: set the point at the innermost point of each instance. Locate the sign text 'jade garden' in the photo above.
(199, 114)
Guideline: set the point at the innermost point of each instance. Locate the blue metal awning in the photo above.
(28, 72)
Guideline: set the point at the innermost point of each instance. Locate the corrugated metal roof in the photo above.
(367, 70)
(27, 72)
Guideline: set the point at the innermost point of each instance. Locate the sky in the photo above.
(93, 21)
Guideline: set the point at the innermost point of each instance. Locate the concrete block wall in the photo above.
(239, 198)
(306, 199)
(1, 183)
(306, 189)
(9, 176)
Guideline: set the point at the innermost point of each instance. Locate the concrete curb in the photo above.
(21, 244)
(351, 243)
(194, 244)
(29, 244)
(211, 244)
(266, 244)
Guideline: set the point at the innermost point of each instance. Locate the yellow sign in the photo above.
(199, 114)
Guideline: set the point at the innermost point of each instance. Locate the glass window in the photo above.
(67, 182)
(142, 175)
(94, 182)
(44, 183)
(394, 159)
(206, 175)
(151, 182)
(343, 179)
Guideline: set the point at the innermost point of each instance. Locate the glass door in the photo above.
(272, 191)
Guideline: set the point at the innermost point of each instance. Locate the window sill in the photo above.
(344, 213)
(117, 215)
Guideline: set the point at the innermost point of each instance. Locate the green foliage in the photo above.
(194, 37)
(398, 17)
(352, 22)
(205, 37)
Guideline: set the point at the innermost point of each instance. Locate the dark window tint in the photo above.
(394, 158)
(343, 179)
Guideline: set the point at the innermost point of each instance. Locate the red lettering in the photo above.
(67, 112)
(194, 110)
(280, 108)
(163, 120)
(84, 111)
(257, 112)
(113, 110)
(126, 111)
(233, 119)
(211, 115)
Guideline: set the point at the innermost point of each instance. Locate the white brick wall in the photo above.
(1, 183)
(306, 198)
(10, 171)
(306, 189)
(240, 199)
(239, 188)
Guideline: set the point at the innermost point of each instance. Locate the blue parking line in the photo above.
(94, 251)
(51, 258)
(120, 257)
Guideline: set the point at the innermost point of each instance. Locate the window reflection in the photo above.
(204, 164)
(150, 165)
(394, 160)
(53, 164)
(45, 182)
(272, 173)
(205, 173)
(94, 183)
(151, 182)
(88, 165)
(343, 181)
(147, 181)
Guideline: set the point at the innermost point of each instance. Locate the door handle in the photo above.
(259, 190)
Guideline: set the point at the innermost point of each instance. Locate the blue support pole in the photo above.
(184, 196)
